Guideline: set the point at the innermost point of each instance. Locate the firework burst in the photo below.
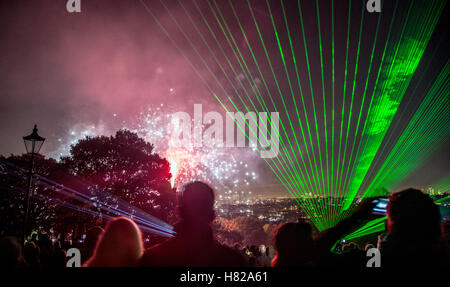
(218, 166)
(215, 165)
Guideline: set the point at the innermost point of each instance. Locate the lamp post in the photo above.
(33, 143)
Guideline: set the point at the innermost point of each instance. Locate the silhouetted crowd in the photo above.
(414, 237)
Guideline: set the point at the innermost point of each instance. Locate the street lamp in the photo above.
(33, 144)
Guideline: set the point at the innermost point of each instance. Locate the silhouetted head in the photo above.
(412, 214)
(44, 242)
(119, 245)
(294, 245)
(31, 253)
(34, 236)
(254, 250)
(10, 252)
(92, 236)
(196, 203)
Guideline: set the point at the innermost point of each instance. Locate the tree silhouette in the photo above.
(121, 167)
(43, 211)
(124, 166)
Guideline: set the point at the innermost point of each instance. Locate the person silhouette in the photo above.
(31, 254)
(92, 236)
(10, 252)
(194, 243)
(120, 245)
(413, 231)
(294, 245)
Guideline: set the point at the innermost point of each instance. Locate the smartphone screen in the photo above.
(381, 205)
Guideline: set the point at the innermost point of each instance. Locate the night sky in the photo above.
(100, 70)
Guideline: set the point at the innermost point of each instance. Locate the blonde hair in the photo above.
(120, 245)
